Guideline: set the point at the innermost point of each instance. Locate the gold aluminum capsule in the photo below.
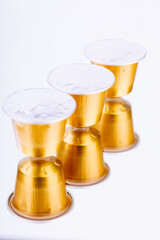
(87, 84)
(39, 117)
(116, 126)
(40, 192)
(119, 56)
(82, 157)
(81, 150)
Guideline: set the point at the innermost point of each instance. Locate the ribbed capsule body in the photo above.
(82, 157)
(116, 125)
(40, 191)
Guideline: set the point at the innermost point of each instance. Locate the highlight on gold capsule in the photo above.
(40, 192)
(39, 117)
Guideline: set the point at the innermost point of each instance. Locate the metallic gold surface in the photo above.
(39, 140)
(82, 157)
(88, 109)
(124, 79)
(40, 191)
(116, 126)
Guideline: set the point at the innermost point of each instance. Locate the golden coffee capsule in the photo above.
(87, 84)
(119, 56)
(81, 151)
(82, 157)
(116, 126)
(39, 118)
(40, 191)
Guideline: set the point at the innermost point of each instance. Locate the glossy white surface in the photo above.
(37, 36)
(81, 78)
(39, 106)
(114, 52)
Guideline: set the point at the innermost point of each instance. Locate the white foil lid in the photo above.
(114, 52)
(39, 106)
(81, 78)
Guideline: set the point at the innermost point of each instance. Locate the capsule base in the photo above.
(83, 183)
(122, 149)
(37, 217)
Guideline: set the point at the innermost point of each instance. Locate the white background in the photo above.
(38, 35)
